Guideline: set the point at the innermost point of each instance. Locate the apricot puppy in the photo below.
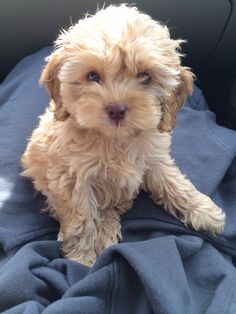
(116, 82)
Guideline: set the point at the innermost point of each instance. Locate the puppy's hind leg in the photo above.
(168, 186)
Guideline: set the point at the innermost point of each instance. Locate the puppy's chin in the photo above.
(118, 132)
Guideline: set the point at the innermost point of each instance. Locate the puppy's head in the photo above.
(117, 72)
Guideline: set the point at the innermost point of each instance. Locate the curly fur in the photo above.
(91, 169)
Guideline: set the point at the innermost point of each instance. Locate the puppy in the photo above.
(116, 83)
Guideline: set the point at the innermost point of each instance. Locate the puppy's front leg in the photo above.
(85, 240)
(86, 231)
(78, 240)
(168, 186)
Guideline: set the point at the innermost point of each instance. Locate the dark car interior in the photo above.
(208, 26)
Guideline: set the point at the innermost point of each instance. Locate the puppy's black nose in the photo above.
(116, 112)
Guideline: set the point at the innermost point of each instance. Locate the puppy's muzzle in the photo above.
(116, 112)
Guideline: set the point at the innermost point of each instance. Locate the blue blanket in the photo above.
(160, 266)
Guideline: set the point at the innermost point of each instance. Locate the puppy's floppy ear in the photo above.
(50, 79)
(176, 100)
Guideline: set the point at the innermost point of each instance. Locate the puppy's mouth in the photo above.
(117, 123)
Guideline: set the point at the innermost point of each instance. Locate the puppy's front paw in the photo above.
(207, 216)
(87, 257)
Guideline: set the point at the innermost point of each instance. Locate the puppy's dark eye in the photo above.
(94, 77)
(144, 77)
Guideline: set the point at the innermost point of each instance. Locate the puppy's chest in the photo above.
(118, 179)
(113, 172)
(113, 169)
(114, 164)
